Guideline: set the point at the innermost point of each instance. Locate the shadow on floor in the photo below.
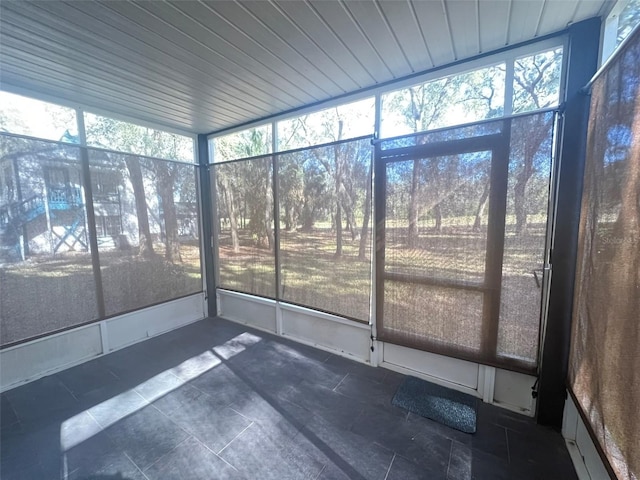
(220, 400)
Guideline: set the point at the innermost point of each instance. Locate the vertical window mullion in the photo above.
(276, 209)
(90, 213)
(508, 87)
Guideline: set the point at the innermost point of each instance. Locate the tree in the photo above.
(166, 176)
(333, 174)
(245, 187)
(291, 191)
(424, 110)
(153, 143)
(316, 193)
(228, 202)
(446, 101)
(537, 80)
(364, 235)
(145, 242)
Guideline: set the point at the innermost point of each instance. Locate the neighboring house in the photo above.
(42, 201)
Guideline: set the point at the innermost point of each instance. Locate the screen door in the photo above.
(461, 233)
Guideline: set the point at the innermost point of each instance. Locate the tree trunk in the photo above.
(437, 213)
(145, 244)
(535, 136)
(518, 203)
(308, 213)
(288, 222)
(338, 229)
(229, 203)
(165, 185)
(412, 233)
(233, 220)
(349, 216)
(482, 204)
(364, 236)
(268, 214)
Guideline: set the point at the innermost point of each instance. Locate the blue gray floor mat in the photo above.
(452, 408)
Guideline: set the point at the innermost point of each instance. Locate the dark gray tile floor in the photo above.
(216, 400)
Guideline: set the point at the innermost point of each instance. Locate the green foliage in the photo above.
(537, 81)
(244, 144)
(127, 137)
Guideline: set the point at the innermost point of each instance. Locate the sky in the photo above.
(31, 117)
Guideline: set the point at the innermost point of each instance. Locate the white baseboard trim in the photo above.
(583, 452)
(340, 336)
(578, 460)
(29, 361)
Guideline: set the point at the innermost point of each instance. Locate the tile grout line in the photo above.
(234, 438)
(324, 467)
(151, 404)
(449, 461)
(13, 409)
(506, 437)
(230, 407)
(340, 383)
(102, 427)
(67, 388)
(390, 465)
(136, 465)
(161, 456)
(218, 456)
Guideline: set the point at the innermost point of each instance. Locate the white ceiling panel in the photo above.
(555, 13)
(307, 20)
(276, 20)
(434, 23)
(463, 18)
(339, 19)
(523, 20)
(494, 22)
(406, 29)
(374, 27)
(203, 66)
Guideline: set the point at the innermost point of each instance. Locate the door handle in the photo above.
(535, 276)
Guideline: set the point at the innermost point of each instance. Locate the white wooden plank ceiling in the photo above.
(205, 66)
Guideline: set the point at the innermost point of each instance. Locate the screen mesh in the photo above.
(455, 316)
(46, 276)
(325, 236)
(146, 214)
(605, 358)
(464, 237)
(444, 135)
(246, 246)
(525, 236)
(435, 249)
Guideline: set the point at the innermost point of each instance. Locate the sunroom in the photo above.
(320, 239)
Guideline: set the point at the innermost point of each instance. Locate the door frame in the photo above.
(499, 146)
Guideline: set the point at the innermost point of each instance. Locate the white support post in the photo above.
(375, 357)
(104, 337)
(486, 382)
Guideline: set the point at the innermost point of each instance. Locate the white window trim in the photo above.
(473, 64)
